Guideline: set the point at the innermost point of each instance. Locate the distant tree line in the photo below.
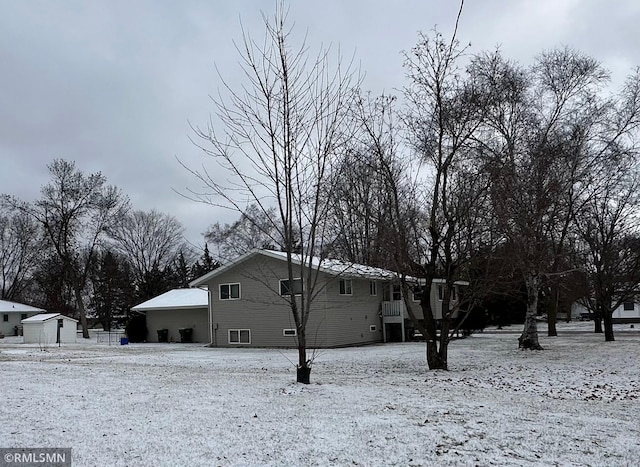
(81, 250)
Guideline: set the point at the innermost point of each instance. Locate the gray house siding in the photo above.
(174, 319)
(334, 320)
(350, 317)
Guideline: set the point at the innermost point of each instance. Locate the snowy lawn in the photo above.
(575, 403)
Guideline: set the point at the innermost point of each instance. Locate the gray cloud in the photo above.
(113, 84)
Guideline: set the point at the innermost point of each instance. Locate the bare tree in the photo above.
(370, 178)
(75, 210)
(445, 112)
(254, 229)
(20, 237)
(276, 139)
(150, 241)
(608, 231)
(537, 124)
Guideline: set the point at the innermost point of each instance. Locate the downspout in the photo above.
(212, 339)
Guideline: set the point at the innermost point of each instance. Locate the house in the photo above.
(49, 328)
(11, 314)
(628, 312)
(353, 304)
(177, 316)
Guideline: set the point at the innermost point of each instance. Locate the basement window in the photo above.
(373, 328)
(239, 336)
(289, 332)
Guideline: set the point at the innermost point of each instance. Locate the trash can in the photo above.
(124, 341)
(186, 335)
(163, 335)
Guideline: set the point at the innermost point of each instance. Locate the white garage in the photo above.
(49, 328)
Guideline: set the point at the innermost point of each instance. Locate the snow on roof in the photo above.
(7, 306)
(176, 299)
(338, 267)
(330, 266)
(45, 317)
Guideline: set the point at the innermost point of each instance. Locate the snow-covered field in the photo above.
(575, 403)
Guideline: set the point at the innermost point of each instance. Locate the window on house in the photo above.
(289, 332)
(23, 316)
(440, 292)
(417, 293)
(346, 287)
(373, 328)
(397, 293)
(628, 306)
(239, 336)
(229, 291)
(5, 318)
(453, 293)
(373, 288)
(285, 289)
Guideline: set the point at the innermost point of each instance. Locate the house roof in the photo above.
(176, 299)
(46, 317)
(333, 267)
(7, 306)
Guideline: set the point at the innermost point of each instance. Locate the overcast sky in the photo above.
(113, 84)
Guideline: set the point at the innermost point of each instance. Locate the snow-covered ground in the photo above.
(575, 403)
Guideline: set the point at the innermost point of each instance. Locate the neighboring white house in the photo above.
(11, 313)
(172, 314)
(628, 312)
(47, 328)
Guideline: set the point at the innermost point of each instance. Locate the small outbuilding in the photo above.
(49, 328)
(12, 313)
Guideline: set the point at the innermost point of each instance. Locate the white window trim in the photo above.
(289, 332)
(345, 287)
(230, 298)
(287, 280)
(229, 331)
(373, 287)
(373, 328)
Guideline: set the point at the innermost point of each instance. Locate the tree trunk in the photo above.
(597, 320)
(552, 314)
(83, 313)
(303, 373)
(434, 358)
(529, 337)
(608, 326)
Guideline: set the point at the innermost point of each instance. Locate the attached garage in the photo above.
(180, 315)
(49, 328)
